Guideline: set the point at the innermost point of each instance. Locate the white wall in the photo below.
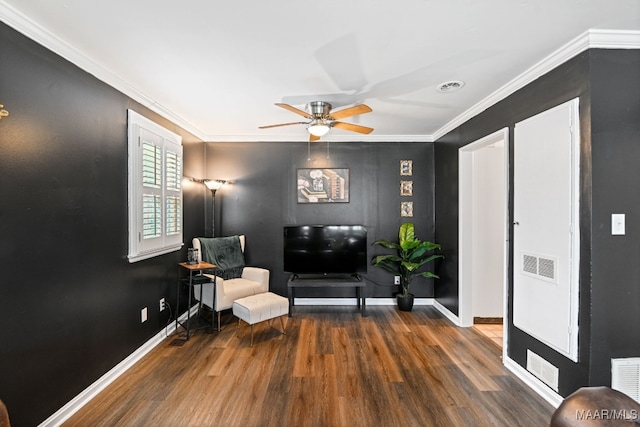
(488, 231)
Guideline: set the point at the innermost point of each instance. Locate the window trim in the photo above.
(143, 132)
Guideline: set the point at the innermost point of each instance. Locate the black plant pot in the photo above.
(405, 303)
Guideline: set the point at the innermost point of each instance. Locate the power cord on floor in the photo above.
(376, 283)
(169, 320)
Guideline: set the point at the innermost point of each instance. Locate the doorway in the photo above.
(483, 207)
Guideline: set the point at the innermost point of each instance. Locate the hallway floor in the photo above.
(493, 331)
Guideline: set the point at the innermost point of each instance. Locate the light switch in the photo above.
(617, 224)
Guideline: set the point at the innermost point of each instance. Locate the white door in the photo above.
(545, 294)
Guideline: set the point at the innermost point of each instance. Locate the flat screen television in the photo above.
(325, 249)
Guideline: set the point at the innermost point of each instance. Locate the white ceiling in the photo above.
(217, 68)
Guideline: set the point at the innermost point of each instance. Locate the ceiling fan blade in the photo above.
(313, 138)
(351, 111)
(282, 124)
(351, 127)
(294, 110)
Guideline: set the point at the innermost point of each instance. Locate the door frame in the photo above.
(465, 227)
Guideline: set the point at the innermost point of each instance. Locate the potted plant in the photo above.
(412, 254)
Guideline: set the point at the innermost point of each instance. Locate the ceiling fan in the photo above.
(321, 118)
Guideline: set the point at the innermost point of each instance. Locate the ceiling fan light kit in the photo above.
(318, 127)
(321, 119)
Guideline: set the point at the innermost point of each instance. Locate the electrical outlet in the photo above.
(396, 280)
(162, 304)
(143, 315)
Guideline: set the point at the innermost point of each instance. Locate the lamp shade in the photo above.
(214, 184)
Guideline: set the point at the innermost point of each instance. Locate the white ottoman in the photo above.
(260, 307)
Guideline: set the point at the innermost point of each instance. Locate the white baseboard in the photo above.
(534, 383)
(447, 313)
(354, 301)
(74, 405)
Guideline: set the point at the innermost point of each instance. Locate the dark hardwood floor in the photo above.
(332, 368)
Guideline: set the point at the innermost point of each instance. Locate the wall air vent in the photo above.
(540, 266)
(529, 264)
(625, 376)
(545, 371)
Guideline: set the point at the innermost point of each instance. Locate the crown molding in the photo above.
(613, 39)
(596, 39)
(23, 24)
(599, 39)
(29, 28)
(331, 138)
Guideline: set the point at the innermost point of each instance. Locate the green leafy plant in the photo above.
(412, 254)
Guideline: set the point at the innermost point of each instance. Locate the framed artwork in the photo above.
(406, 167)
(322, 185)
(406, 188)
(406, 209)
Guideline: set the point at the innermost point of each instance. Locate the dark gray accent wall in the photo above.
(70, 301)
(615, 142)
(263, 199)
(607, 84)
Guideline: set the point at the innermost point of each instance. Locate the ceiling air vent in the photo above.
(451, 86)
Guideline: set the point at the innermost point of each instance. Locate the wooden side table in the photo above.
(195, 278)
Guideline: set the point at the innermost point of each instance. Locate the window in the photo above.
(155, 189)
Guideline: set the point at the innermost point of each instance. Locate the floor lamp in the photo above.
(213, 185)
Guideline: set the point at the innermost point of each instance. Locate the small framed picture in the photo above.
(406, 188)
(406, 209)
(406, 167)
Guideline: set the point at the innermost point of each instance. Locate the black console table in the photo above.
(321, 281)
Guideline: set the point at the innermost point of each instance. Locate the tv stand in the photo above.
(327, 281)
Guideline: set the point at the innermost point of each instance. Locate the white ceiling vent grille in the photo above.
(625, 376)
(542, 369)
(540, 266)
(451, 86)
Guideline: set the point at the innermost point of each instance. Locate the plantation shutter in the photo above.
(173, 199)
(155, 189)
(151, 190)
